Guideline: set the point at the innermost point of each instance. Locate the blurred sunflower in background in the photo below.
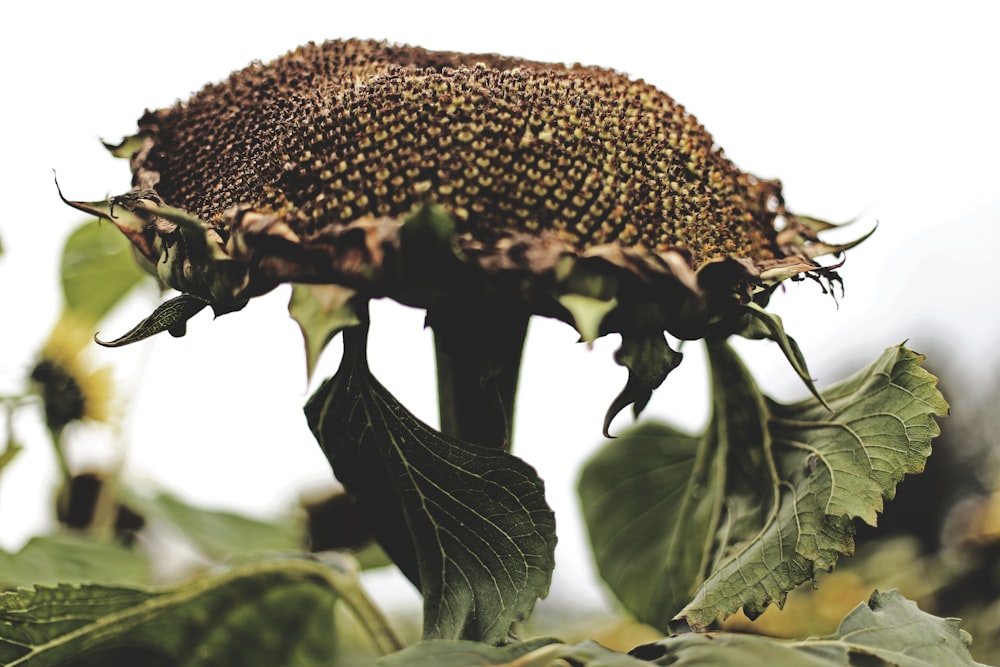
(65, 377)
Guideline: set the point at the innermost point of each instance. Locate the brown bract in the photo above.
(303, 169)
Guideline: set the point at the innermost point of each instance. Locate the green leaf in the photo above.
(531, 653)
(453, 653)
(169, 316)
(890, 631)
(218, 534)
(720, 649)
(97, 270)
(51, 559)
(541, 652)
(763, 499)
(649, 515)
(265, 613)
(468, 524)
(763, 324)
(321, 311)
(894, 629)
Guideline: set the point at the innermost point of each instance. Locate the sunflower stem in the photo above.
(478, 348)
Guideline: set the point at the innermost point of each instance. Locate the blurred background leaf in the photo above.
(97, 269)
(220, 535)
(52, 559)
(264, 613)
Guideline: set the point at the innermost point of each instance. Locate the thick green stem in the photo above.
(356, 338)
(478, 360)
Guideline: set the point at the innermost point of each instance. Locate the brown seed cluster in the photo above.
(332, 133)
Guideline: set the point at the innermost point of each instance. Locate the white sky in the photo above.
(891, 109)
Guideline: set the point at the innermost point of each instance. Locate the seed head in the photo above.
(305, 169)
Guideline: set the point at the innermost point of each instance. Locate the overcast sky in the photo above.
(885, 109)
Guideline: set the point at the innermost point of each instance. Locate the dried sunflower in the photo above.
(483, 188)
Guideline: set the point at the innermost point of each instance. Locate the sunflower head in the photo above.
(439, 178)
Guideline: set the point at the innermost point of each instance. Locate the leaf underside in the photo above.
(467, 524)
(685, 529)
(169, 316)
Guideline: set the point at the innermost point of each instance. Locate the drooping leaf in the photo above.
(218, 534)
(467, 524)
(169, 316)
(649, 360)
(264, 613)
(653, 499)
(649, 514)
(320, 311)
(763, 324)
(97, 270)
(50, 559)
(763, 499)
(831, 468)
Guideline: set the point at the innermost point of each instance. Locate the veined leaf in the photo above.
(467, 524)
(169, 316)
(889, 631)
(763, 499)
(892, 628)
(264, 613)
